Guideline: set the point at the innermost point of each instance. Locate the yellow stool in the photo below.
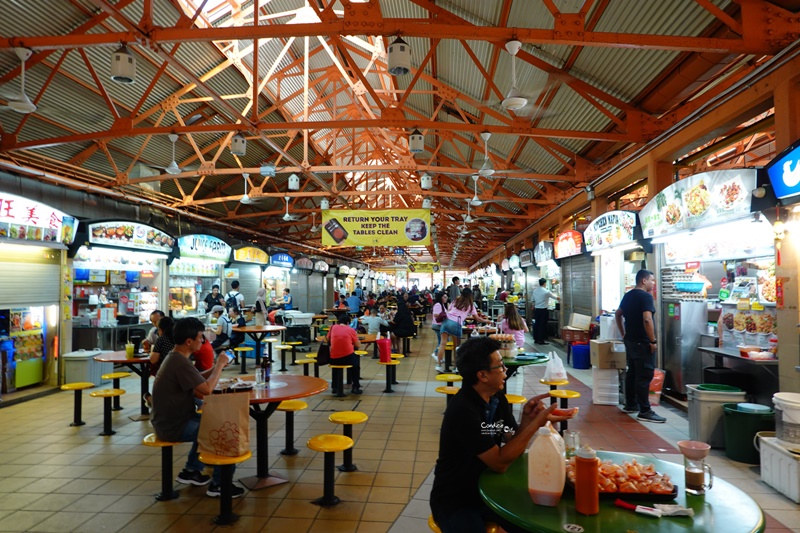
(514, 399)
(290, 407)
(107, 395)
(78, 386)
(225, 463)
(448, 355)
(283, 348)
(242, 351)
(115, 377)
(305, 363)
(337, 376)
(491, 527)
(450, 379)
(553, 386)
(167, 492)
(329, 445)
(347, 419)
(448, 391)
(316, 363)
(395, 357)
(390, 367)
(565, 396)
(294, 345)
(361, 353)
(270, 341)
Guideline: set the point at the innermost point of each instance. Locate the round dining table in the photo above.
(139, 365)
(257, 333)
(723, 508)
(264, 402)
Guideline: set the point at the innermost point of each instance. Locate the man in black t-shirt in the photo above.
(639, 334)
(479, 431)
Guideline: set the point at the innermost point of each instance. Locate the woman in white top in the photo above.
(439, 307)
(458, 311)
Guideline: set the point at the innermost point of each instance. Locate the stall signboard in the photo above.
(133, 235)
(610, 229)
(344, 270)
(251, 254)
(321, 266)
(304, 263)
(513, 262)
(543, 252)
(359, 273)
(205, 248)
(784, 172)
(568, 244)
(504, 266)
(389, 227)
(526, 258)
(25, 219)
(281, 260)
(697, 201)
(424, 268)
(100, 260)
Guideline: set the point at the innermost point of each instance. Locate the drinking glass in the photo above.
(695, 476)
(261, 378)
(572, 441)
(129, 351)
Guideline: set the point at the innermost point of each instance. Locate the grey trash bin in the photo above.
(81, 366)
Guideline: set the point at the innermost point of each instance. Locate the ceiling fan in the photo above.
(245, 199)
(314, 227)
(287, 217)
(173, 167)
(517, 101)
(487, 169)
(21, 103)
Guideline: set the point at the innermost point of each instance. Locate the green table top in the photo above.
(512, 361)
(723, 508)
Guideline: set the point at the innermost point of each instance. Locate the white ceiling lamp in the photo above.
(399, 61)
(426, 182)
(21, 104)
(487, 169)
(123, 66)
(238, 145)
(426, 203)
(324, 204)
(475, 200)
(514, 101)
(246, 200)
(468, 217)
(287, 217)
(416, 142)
(173, 167)
(294, 183)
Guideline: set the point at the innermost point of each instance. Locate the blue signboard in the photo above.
(281, 260)
(784, 172)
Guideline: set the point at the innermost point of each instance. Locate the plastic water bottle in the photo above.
(587, 474)
(546, 469)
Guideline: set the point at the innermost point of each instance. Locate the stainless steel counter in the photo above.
(734, 354)
(111, 338)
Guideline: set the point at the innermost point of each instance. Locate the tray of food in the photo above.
(630, 480)
(226, 385)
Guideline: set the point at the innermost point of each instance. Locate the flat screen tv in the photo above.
(784, 173)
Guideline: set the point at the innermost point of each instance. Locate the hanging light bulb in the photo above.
(399, 61)
(324, 204)
(426, 182)
(123, 66)
(238, 145)
(416, 142)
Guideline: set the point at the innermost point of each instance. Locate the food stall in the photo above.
(717, 260)
(276, 276)
(342, 274)
(120, 267)
(199, 268)
(247, 267)
(306, 289)
(544, 257)
(35, 290)
(528, 266)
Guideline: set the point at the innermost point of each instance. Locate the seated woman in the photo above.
(160, 349)
(403, 324)
(343, 342)
(223, 329)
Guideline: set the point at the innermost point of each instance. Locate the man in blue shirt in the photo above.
(354, 303)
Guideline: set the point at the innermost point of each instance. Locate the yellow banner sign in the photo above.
(424, 268)
(390, 227)
(249, 254)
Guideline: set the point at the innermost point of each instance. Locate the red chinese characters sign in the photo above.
(21, 218)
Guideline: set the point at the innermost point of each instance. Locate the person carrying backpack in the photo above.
(223, 330)
(234, 298)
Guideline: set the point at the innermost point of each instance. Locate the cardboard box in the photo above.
(578, 321)
(574, 335)
(607, 354)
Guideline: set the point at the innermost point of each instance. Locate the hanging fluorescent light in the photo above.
(324, 204)
(238, 145)
(123, 66)
(426, 182)
(426, 203)
(416, 142)
(399, 61)
(294, 183)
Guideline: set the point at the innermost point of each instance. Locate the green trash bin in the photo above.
(741, 427)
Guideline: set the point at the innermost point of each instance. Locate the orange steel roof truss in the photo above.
(307, 84)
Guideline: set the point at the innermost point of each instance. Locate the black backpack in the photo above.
(231, 301)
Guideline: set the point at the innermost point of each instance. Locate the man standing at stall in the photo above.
(454, 291)
(639, 334)
(541, 312)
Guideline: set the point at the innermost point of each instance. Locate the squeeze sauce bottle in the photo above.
(587, 473)
(546, 469)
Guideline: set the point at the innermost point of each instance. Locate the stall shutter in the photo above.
(576, 279)
(249, 281)
(29, 284)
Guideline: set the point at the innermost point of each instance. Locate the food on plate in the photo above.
(698, 200)
(750, 324)
(730, 193)
(120, 231)
(673, 214)
(739, 322)
(765, 323)
(727, 320)
(629, 477)
(98, 231)
(572, 411)
(768, 290)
